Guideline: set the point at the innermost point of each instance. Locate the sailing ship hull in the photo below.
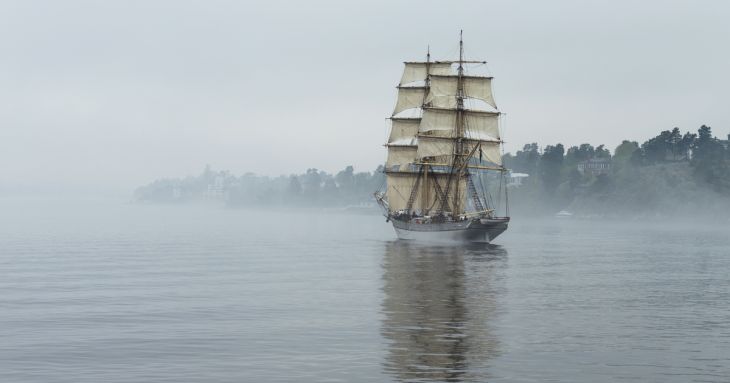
(473, 231)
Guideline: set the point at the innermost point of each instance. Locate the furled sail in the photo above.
(444, 90)
(418, 71)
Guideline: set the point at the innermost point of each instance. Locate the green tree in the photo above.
(602, 152)
(578, 154)
(709, 160)
(655, 150)
(551, 164)
(295, 187)
(685, 145)
(525, 160)
(312, 184)
(623, 152)
(345, 179)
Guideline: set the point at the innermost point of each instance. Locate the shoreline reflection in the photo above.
(437, 311)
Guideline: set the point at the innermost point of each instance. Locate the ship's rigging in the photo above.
(435, 155)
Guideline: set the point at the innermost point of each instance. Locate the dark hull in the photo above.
(482, 230)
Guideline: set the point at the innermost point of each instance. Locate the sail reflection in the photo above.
(437, 310)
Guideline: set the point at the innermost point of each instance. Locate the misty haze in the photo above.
(372, 191)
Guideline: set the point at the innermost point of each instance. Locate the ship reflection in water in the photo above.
(438, 309)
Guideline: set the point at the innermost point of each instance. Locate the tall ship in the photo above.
(444, 175)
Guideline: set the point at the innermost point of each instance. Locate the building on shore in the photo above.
(216, 189)
(515, 179)
(595, 166)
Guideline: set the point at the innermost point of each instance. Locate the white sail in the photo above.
(481, 126)
(417, 71)
(409, 97)
(400, 186)
(403, 132)
(478, 125)
(490, 151)
(433, 203)
(441, 150)
(435, 147)
(439, 122)
(445, 88)
(399, 189)
(400, 156)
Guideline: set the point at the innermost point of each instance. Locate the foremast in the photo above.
(436, 135)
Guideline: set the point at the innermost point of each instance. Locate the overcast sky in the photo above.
(112, 94)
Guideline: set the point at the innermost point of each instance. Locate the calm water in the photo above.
(153, 294)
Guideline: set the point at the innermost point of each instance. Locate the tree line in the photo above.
(674, 171)
(671, 172)
(312, 188)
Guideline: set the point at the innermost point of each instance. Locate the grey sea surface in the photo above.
(123, 293)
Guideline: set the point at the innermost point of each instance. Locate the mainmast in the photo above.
(459, 144)
(425, 193)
